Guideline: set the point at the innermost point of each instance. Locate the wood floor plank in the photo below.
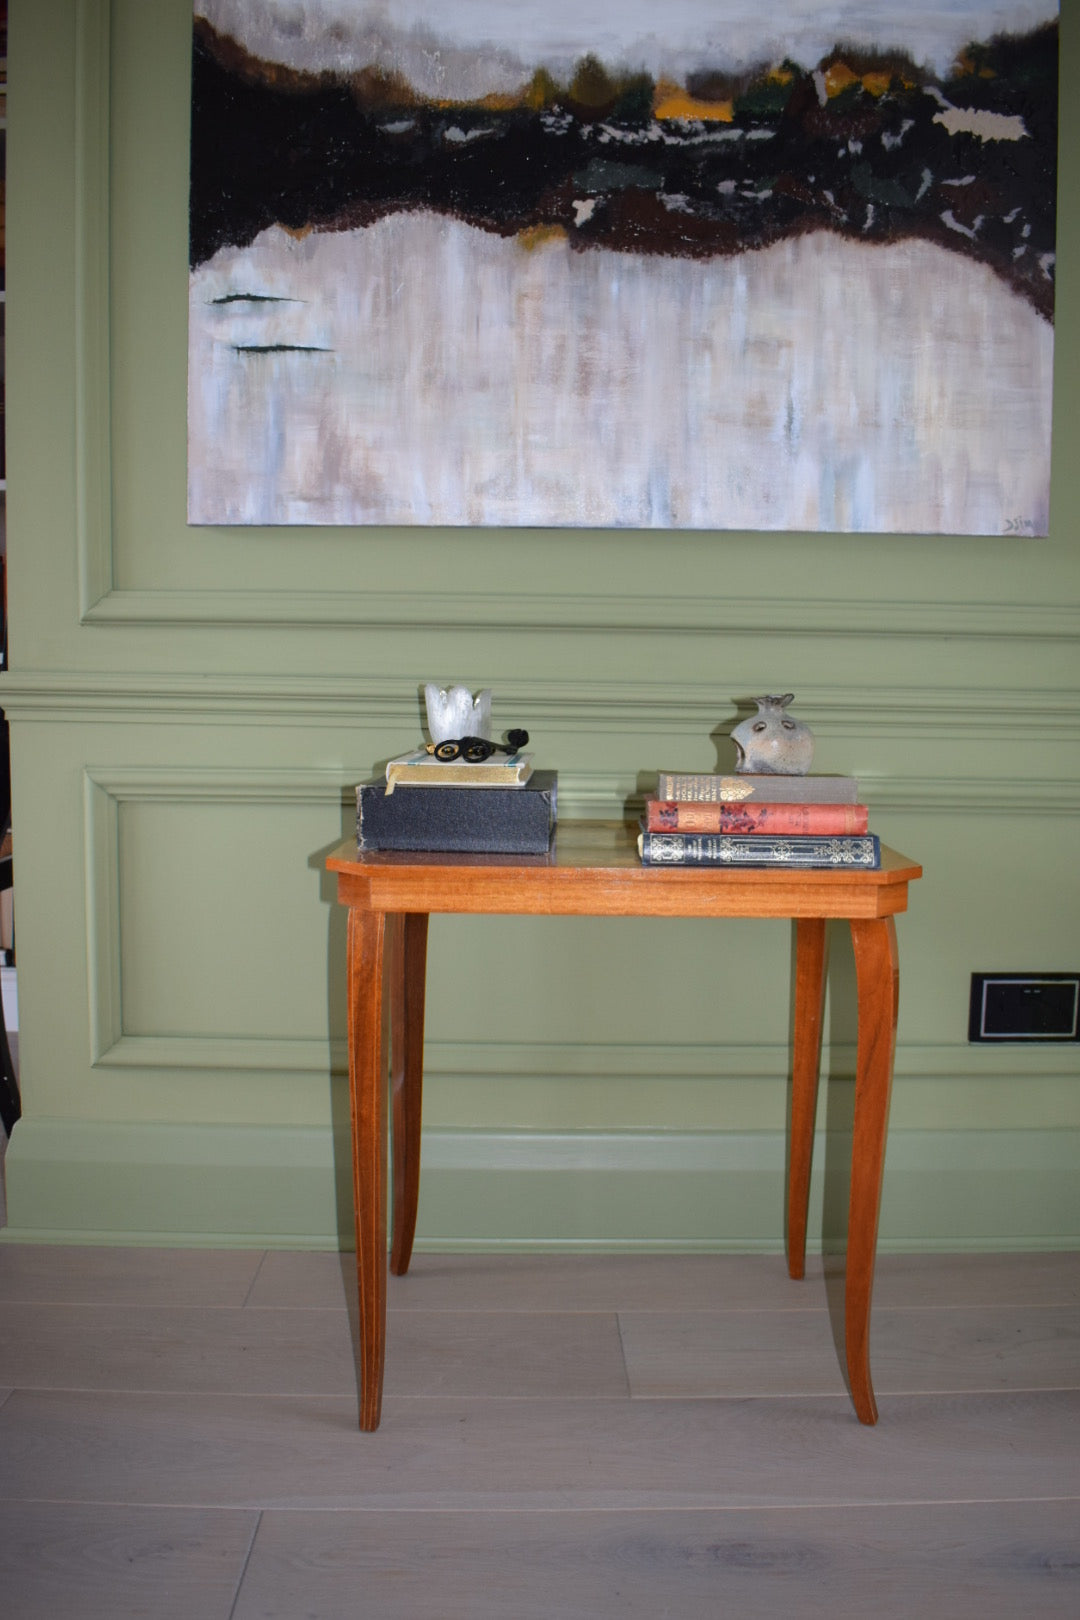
(32, 1272)
(121, 1563)
(531, 1282)
(664, 1282)
(996, 1561)
(952, 1280)
(263, 1451)
(736, 1353)
(291, 1352)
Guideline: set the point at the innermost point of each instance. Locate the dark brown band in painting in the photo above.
(863, 143)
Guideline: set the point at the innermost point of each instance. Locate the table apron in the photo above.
(373, 892)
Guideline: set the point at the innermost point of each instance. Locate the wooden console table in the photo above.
(594, 871)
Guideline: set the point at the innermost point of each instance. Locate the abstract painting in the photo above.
(672, 264)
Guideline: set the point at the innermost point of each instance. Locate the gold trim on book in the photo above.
(721, 789)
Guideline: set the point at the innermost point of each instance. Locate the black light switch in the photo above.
(1024, 1007)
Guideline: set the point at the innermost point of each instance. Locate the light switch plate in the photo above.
(1024, 1007)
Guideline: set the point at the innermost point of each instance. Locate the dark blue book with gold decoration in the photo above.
(757, 849)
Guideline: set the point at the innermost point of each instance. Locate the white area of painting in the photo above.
(468, 47)
(439, 374)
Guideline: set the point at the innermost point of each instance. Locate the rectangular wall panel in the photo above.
(208, 941)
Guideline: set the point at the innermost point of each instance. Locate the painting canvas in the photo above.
(682, 264)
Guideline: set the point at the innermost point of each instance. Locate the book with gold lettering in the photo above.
(709, 787)
(688, 816)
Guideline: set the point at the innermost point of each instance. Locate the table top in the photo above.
(593, 869)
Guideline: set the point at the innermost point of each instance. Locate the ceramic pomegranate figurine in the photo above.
(772, 742)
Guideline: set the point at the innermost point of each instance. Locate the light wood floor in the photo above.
(567, 1438)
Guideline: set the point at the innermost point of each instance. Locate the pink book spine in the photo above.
(822, 820)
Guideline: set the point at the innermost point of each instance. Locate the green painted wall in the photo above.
(190, 708)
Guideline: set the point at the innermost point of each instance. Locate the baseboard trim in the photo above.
(71, 1181)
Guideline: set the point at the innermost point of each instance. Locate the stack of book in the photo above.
(499, 806)
(707, 820)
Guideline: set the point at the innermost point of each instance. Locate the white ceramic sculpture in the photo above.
(452, 711)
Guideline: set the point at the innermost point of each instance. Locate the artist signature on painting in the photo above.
(1019, 525)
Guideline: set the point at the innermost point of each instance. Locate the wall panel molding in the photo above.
(102, 601)
(93, 439)
(704, 614)
(680, 708)
(105, 790)
(215, 785)
(763, 1060)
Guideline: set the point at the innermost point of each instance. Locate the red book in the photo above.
(785, 820)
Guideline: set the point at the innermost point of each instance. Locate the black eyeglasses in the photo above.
(475, 750)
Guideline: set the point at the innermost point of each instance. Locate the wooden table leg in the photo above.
(878, 978)
(407, 981)
(811, 961)
(367, 1095)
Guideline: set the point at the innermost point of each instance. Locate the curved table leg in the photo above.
(407, 982)
(878, 979)
(367, 1096)
(811, 962)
